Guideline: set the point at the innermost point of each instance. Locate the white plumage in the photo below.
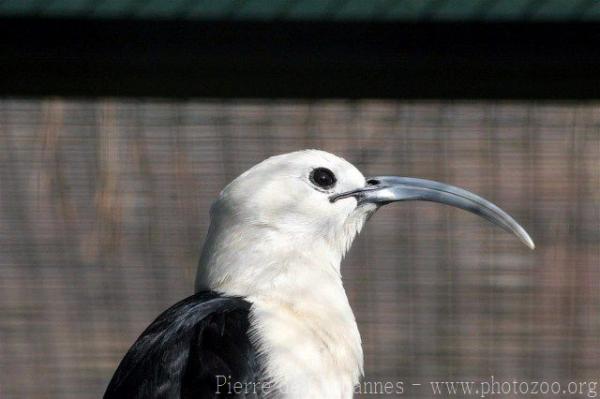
(278, 241)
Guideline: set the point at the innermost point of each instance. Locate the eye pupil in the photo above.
(323, 177)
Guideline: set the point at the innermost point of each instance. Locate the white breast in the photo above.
(288, 266)
(311, 352)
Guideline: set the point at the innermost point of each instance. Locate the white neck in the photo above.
(302, 321)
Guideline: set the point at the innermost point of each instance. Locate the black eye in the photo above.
(323, 177)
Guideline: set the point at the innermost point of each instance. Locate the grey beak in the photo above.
(383, 190)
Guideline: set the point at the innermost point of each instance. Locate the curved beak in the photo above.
(383, 190)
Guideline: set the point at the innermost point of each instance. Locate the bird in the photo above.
(270, 317)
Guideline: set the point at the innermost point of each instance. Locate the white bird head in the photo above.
(277, 236)
(302, 210)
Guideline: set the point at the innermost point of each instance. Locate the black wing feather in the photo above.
(183, 352)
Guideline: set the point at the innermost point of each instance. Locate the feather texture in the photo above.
(190, 351)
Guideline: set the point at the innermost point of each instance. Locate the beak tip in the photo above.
(529, 242)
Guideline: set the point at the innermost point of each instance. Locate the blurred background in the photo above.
(111, 152)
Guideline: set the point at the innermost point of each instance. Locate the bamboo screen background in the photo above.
(104, 206)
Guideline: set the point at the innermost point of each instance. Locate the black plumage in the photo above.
(189, 350)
